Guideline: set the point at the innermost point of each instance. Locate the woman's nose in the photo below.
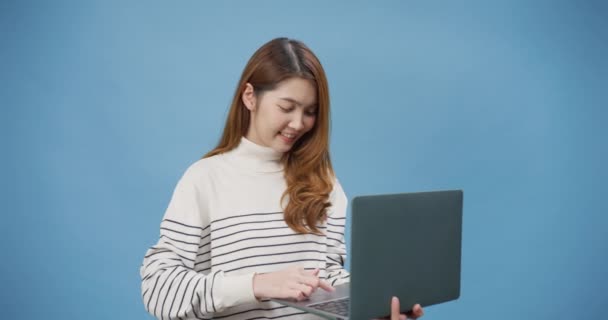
(297, 122)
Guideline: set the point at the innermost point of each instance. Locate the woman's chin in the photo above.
(282, 148)
(282, 145)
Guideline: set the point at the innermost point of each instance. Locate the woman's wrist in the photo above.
(256, 283)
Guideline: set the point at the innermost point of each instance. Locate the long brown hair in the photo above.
(308, 171)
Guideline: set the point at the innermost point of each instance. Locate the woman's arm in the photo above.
(171, 288)
(336, 244)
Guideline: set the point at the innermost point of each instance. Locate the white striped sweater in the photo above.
(223, 224)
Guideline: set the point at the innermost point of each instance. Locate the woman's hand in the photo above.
(292, 283)
(396, 314)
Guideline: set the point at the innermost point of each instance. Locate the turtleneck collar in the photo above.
(256, 158)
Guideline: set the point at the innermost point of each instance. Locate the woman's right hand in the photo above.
(293, 283)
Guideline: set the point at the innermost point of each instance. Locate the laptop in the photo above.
(406, 245)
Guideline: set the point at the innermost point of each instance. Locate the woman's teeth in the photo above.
(289, 136)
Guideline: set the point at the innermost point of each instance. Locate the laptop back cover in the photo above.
(405, 245)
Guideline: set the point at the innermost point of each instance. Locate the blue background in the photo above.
(105, 104)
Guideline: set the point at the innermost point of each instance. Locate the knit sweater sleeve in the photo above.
(171, 288)
(336, 244)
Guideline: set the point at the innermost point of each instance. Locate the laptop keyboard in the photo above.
(336, 306)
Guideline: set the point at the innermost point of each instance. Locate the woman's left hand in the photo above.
(396, 314)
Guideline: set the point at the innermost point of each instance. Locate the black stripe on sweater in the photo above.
(160, 291)
(184, 295)
(192, 306)
(162, 307)
(266, 237)
(189, 226)
(179, 232)
(281, 316)
(246, 222)
(211, 291)
(268, 245)
(273, 263)
(258, 309)
(168, 251)
(246, 215)
(267, 255)
(185, 242)
(205, 294)
(249, 230)
(335, 225)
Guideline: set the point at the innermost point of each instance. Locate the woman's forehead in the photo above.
(297, 91)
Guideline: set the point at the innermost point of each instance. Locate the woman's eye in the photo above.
(286, 109)
(311, 113)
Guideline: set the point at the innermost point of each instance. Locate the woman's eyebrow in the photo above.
(296, 102)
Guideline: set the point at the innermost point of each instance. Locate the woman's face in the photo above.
(281, 116)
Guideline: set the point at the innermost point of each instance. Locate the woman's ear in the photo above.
(248, 97)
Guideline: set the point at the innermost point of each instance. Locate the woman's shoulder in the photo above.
(337, 193)
(337, 188)
(338, 201)
(203, 168)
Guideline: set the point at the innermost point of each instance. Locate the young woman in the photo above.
(262, 215)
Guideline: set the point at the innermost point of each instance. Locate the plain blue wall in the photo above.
(105, 104)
